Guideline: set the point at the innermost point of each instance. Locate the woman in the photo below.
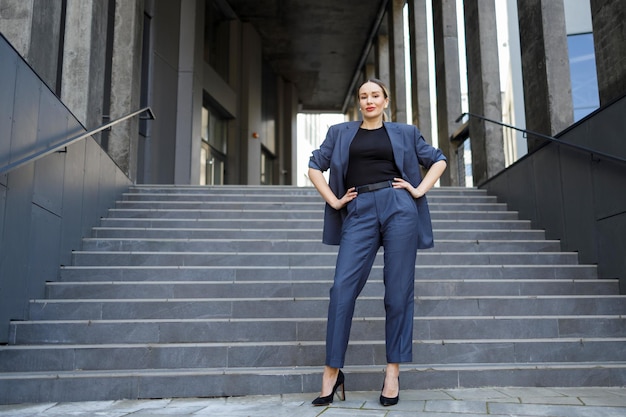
(374, 196)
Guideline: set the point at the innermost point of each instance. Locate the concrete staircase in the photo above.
(222, 291)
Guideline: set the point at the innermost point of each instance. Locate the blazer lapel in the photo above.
(345, 139)
(395, 136)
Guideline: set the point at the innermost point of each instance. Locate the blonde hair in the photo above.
(381, 85)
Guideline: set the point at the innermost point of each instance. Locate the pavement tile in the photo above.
(555, 410)
(24, 410)
(551, 400)
(615, 401)
(423, 395)
(437, 414)
(521, 393)
(456, 406)
(348, 412)
(589, 392)
(476, 393)
(482, 402)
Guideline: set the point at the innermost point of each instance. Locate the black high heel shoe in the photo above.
(387, 401)
(327, 400)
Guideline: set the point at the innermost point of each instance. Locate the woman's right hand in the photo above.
(347, 197)
(319, 181)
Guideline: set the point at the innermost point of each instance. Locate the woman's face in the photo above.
(372, 100)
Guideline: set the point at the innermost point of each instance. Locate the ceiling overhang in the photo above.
(318, 45)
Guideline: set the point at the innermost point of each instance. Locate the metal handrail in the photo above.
(593, 152)
(40, 154)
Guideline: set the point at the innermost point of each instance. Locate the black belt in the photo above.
(373, 187)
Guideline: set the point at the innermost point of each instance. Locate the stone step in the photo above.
(289, 224)
(302, 198)
(200, 307)
(292, 273)
(284, 214)
(283, 191)
(291, 234)
(143, 356)
(288, 245)
(264, 329)
(208, 291)
(261, 259)
(222, 381)
(221, 289)
(282, 205)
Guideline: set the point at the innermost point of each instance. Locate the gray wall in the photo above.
(46, 207)
(575, 198)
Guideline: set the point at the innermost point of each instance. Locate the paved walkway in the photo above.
(544, 402)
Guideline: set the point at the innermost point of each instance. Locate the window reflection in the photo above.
(583, 74)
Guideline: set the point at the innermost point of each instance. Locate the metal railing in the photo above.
(44, 152)
(592, 152)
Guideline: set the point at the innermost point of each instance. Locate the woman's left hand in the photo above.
(400, 183)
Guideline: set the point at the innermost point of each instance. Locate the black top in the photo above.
(371, 158)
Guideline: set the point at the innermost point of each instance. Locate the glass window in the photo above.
(214, 130)
(216, 38)
(213, 152)
(267, 166)
(582, 64)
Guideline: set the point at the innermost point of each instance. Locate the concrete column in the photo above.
(288, 149)
(33, 27)
(448, 82)
(609, 38)
(84, 55)
(45, 40)
(420, 80)
(383, 59)
(483, 79)
(397, 85)
(126, 83)
(189, 93)
(545, 67)
(16, 21)
(251, 90)
(234, 171)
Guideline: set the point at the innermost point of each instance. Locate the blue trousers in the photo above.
(386, 217)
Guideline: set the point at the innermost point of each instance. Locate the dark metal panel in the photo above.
(15, 256)
(578, 212)
(3, 202)
(609, 185)
(72, 196)
(547, 179)
(520, 191)
(91, 186)
(52, 129)
(107, 183)
(25, 112)
(8, 74)
(44, 248)
(498, 186)
(612, 249)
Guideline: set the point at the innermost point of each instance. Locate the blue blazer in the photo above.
(410, 150)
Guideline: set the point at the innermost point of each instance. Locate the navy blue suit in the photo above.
(388, 217)
(410, 150)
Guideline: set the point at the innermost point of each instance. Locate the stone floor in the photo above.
(544, 402)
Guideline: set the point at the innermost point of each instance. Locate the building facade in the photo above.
(226, 109)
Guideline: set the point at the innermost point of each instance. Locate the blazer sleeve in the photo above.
(427, 154)
(321, 158)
